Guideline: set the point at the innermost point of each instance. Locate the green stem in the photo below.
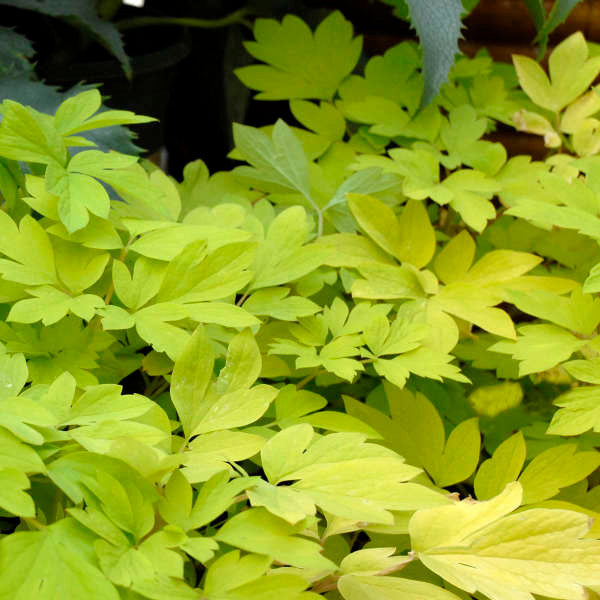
(234, 17)
(308, 378)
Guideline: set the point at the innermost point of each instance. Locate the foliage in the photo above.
(363, 364)
(439, 29)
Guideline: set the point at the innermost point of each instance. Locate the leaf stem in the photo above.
(308, 378)
(235, 17)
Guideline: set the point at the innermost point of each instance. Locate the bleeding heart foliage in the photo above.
(364, 364)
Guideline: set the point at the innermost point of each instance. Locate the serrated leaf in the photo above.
(439, 31)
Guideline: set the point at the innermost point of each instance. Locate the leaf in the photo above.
(230, 401)
(386, 282)
(51, 305)
(324, 119)
(31, 252)
(461, 454)
(256, 530)
(280, 160)
(328, 56)
(370, 561)
(238, 578)
(152, 325)
(491, 400)
(479, 546)
(461, 136)
(539, 347)
(27, 135)
(571, 71)
(453, 262)
(13, 375)
(275, 302)
(556, 468)
(197, 276)
(284, 256)
(579, 411)
(56, 562)
(80, 113)
(190, 380)
(105, 402)
(409, 239)
(503, 467)
(558, 14)
(220, 313)
(287, 503)
(230, 571)
(134, 292)
(439, 31)
(348, 250)
(12, 497)
(371, 587)
(339, 472)
(579, 312)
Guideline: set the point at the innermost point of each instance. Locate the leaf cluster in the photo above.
(362, 364)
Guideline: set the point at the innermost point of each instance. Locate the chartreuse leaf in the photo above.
(378, 587)
(279, 161)
(340, 473)
(455, 259)
(491, 400)
(80, 113)
(571, 72)
(472, 296)
(30, 252)
(276, 302)
(539, 347)
(236, 578)
(479, 546)
(195, 275)
(230, 401)
(556, 468)
(284, 256)
(461, 137)
(56, 562)
(370, 561)
(579, 312)
(579, 411)
(30, 136)
(13, 375)
(503, 467)
(51, 305)
(324, 118)
(13, 499)
(328, 56)
(416, 432)
(135, 291)
(409, 238)
(257, 530)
